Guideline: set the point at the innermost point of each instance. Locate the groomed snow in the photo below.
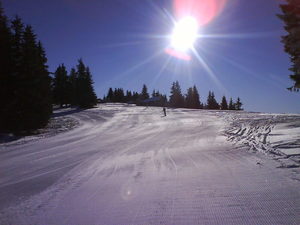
(130, 165)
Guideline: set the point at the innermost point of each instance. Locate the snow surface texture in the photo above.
(276, 135)
(130, 165)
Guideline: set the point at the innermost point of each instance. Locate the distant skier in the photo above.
(165, 111)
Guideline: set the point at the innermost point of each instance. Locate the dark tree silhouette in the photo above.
(73, 87)
(61, 86)
(224, 105)
(110, 95)
(6, 78)
(211, 101)
(231, 105)
(189, 98)
(176, 97)
(86, 94)
(192, 100)
(144, 94)
(238, 104)
(291, 18)
(118, 95)
(26, 100)
(196, 98)
(128, 97)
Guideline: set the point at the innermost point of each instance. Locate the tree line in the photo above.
(74, 88)
(27, 91)
(143, 98)
(176, 99)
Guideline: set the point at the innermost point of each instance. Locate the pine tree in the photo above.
(153, 93)
(291, 18)
(176, 97)
(144, 94)
(110, 95)
(196, 98)
(211, 101)
(86, 95)
(224, 105)
(189, 98)
(11, 84)
(128, 96)
(231, 105)
(25, 94)
(61, 89)
(135, 96)
(31, 102)
(118, 95)
(73, 89)
(45, 102)
(34, 91)
(6, 78)
(238, 104)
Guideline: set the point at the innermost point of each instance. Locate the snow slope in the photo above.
(130, 165)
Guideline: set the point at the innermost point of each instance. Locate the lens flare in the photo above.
(184, 34)
(203, 10)
(178, 54)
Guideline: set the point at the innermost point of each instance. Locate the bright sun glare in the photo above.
(184, 34)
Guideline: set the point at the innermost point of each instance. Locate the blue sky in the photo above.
(123, 42)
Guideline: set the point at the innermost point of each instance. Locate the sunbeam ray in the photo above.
(123, 44)
(164, 66)
(137, 66)
(252, 35)
(209, 71)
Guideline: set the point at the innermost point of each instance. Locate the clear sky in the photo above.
(123, 43)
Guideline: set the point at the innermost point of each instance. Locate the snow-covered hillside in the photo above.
(130, 165)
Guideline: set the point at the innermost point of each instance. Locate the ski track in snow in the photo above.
(275, 135)
(129, 165)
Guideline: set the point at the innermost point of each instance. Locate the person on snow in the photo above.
(165, 111)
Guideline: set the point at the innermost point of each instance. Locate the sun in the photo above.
(184, 34)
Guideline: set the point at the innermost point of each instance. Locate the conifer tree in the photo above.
(29, 106)
(224, 105)
(189, 98)
(61, 90)
(153, 93)
(238, 104)
(45, 102)
(211, 101)
(34, 103)
(118, 95)
(73, 89)
(110, 95)
(135, 96)
(231, 105)
(144, 94)
(176, 97)
(86, 95)
(6, 78)
(291, 18)
(128, 96)
(196, 98)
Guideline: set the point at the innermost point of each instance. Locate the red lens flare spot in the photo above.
(203, 10)
(178, 54)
